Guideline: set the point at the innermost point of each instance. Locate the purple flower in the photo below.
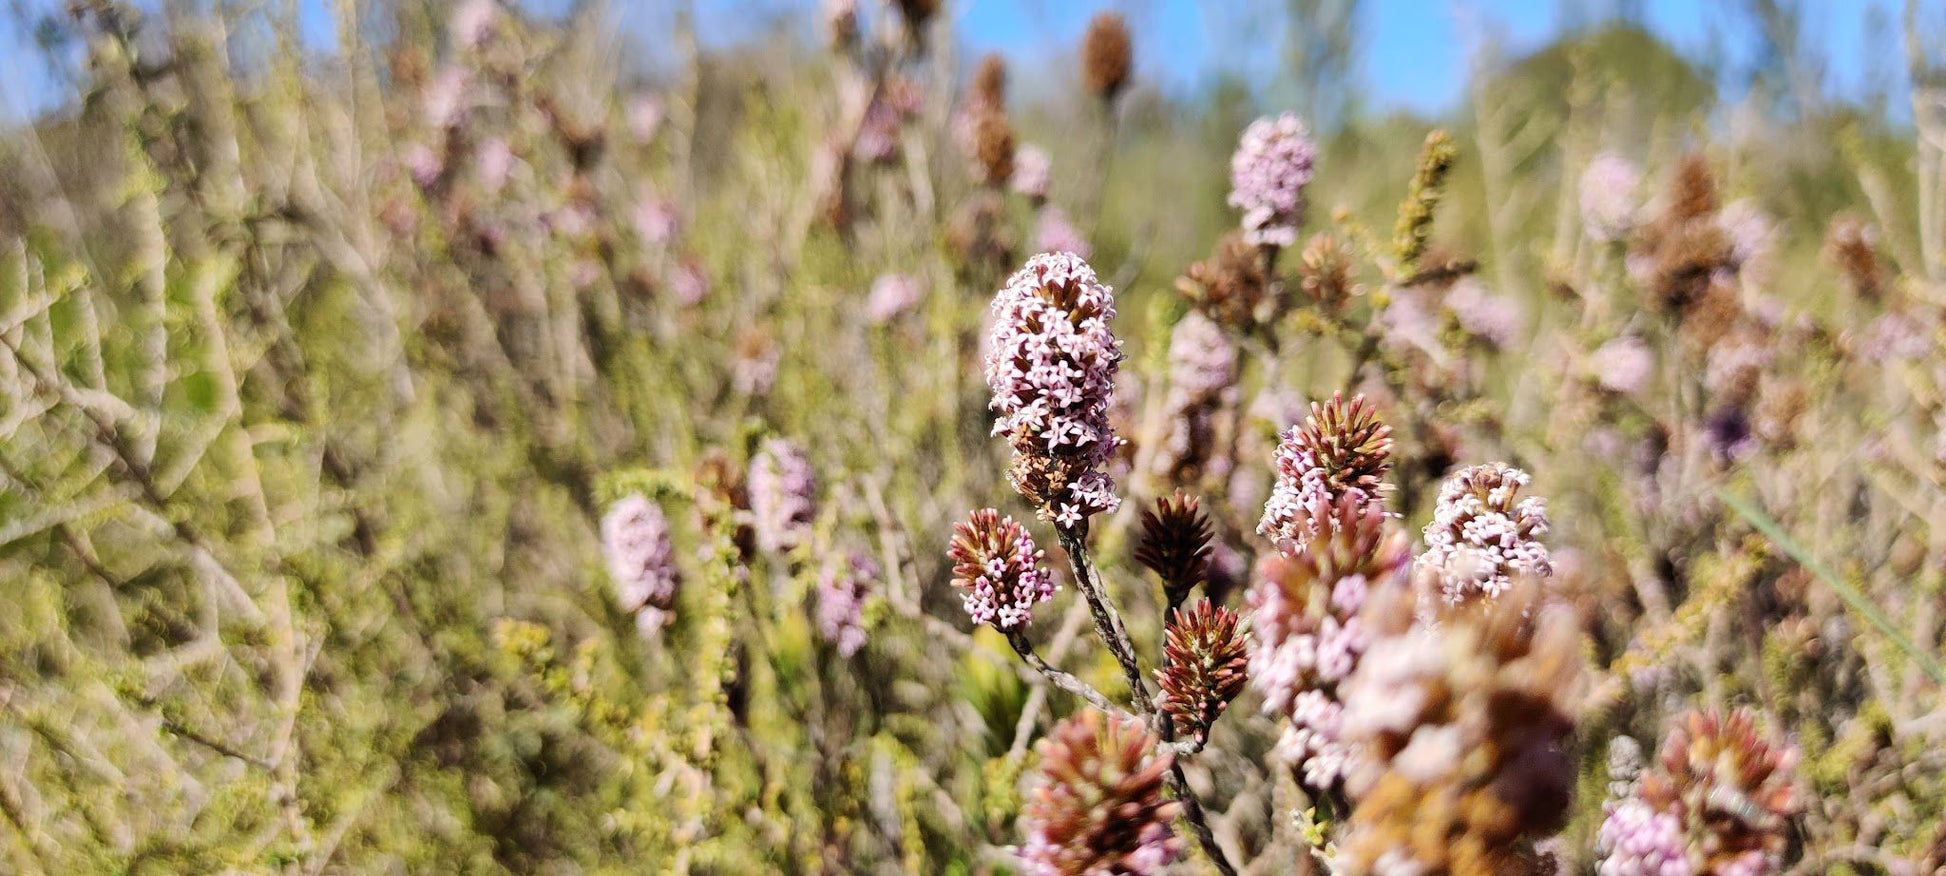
(1482, 534)
(1055, 234)
(892, 295)
(641, 563)
(1268, 173)
(1052, 363)
(842, 588)
(782, 492)
(1608, 208)
(997, 565)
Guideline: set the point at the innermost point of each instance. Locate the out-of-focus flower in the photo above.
(783, 493)
(1749, 229)
(1325, 273)
(1306, 636)
(1636, 840)
(1622, 365)
(645, 117)
(1268, 173)
(1340, 455)
(753, 361)
(997, 565)
(1685, 254)
(1051, 363)
(472, 21)
(1098, 807)
(1205, 664)
(1053, 233)
(979, 234)
(1033, 170)
(897, 103)
(840, 21)
(446, 97)
(1461, 731)
(1483, 534)
(688, 284)
(641, 562)
(656, 221)
(1716, 804)
(423, 164)
(1175, 544)
(1492, 318)
(494, 164)
(1852, 244)
(1107, 55)
(993, 148)
(1231, 286)
(1608, 198)
(891, 296)
(1202, 382)
(843, 585)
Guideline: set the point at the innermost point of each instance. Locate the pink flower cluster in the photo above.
(1055, 234)
(1052, 363)
(891, 296)
(1268, 173)
(782, 492)
(1622, 365)
(998, 566)
(1033, 172)
(1608, 208)
(1495, 319)
(1636, 840)
(843, 586)
(1482, 534)
(635, 542)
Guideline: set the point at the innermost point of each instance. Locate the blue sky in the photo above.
(1414, 52)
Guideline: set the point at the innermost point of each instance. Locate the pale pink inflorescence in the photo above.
(843, 585)
(1483, 533)
(1608, 206)
(997, 565)
(1341, 454)
(1033, 172)
(782, 492)
(1493, 318)
(1268, 173)
(1636, 840)
(1051, 363)
(1054, 233)
(1307, 637)
(641, 561)
(891, 296)
(1622, 365)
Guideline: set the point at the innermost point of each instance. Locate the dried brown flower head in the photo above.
(1099, 807)
(1204, 667)
(1176, 544)
(993, 148)
(1107, 56)
(1851, 243)
(990, 83)
(1684, 251)
(1230, 286)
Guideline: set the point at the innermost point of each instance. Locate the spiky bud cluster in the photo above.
(1175, 544)
(997, 565)
(1483, 533)
(782, 496)
(843, 585)
(1231, 286)
(641, 562)
(1306, 634)
(1723, 789)
(1462, 731)
(1051, 363)
(993, 148)
(1325, 273)
(1608, 201)
(1099, 806)
(1107, 56)
(1268, 173)
(1205, 663)
(1342, 452)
